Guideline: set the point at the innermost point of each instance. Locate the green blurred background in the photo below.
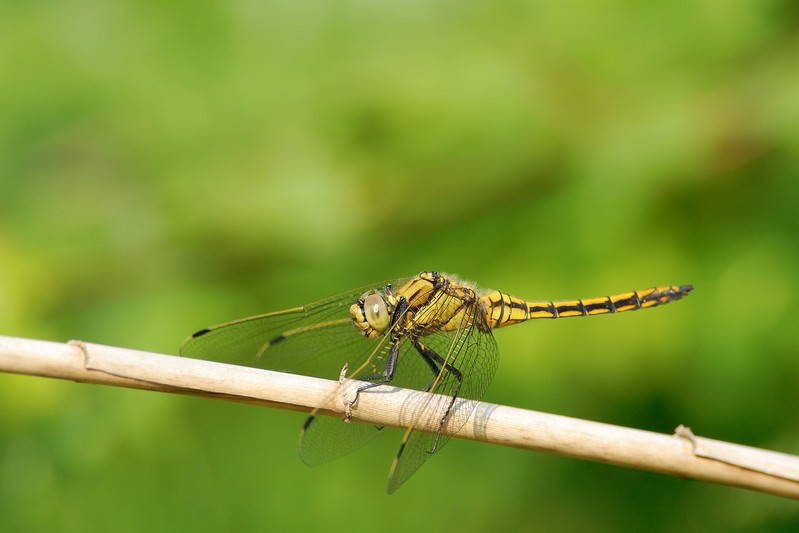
(169, 165)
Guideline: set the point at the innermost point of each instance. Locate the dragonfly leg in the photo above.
(399, 311)
(436, 362)
(388, 372)
(432, 359)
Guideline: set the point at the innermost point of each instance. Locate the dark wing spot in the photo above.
(276, 340)
(201, 333)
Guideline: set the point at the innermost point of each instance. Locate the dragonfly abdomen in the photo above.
(503, 309)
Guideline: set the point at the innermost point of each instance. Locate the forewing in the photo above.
(315, 339)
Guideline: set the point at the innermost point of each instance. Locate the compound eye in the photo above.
(374, 307)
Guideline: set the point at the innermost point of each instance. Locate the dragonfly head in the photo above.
(372, 313)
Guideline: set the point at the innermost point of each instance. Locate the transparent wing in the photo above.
(324, 438)
(474, 354)
(316, 339)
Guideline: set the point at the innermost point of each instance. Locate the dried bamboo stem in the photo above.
(681, 454)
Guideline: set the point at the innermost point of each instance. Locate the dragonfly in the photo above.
(431, 332)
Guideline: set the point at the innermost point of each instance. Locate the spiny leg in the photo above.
(388, 371)
(436, 362)
(429, 357)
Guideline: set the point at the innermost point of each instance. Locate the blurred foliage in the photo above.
(169, 165)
